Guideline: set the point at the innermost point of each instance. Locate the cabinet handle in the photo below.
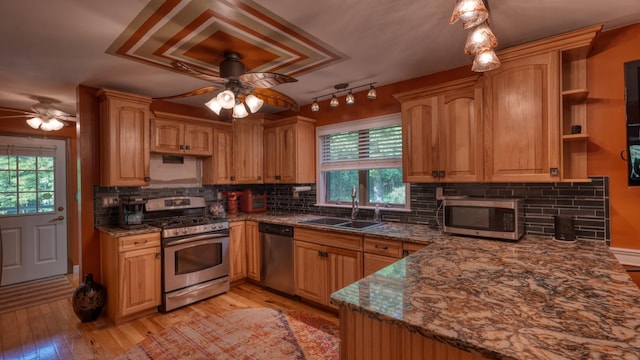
(147, 179)
(181, 147)
(319, 253)
(554, 171)
(434, 173)
(140, 242)
(277, 177)
(259, 177)
(323, 254)
(157, 255)
(382, 247)
(188, 147)
(405, 252)
(233, 178)
(441, 173)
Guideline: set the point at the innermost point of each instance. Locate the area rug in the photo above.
(24, 295)
(243, 334)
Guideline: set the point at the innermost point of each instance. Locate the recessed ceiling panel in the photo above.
(198, 33)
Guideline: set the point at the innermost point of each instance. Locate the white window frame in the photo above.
(368, 123)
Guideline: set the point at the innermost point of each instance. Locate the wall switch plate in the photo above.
(439, 193)
(109, 201)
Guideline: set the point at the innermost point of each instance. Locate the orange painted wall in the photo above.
(607, 128)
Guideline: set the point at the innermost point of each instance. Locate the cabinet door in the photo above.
(271, 155)
(198, 140)
(254, 250)
(460, 134)
(248, 151)
(521, 124)
(140, 276)
(218, 169)
(373, 263)
(420, 140)
(167, 136)
(410, 248)
(288, 155)
(345, 267)
(124, 130)
(310, 263)
(237, 251)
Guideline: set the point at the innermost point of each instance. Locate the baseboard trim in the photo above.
(630, 257)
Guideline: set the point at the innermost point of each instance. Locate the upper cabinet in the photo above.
(124, 138)
(441, 132)
(523, 122)
(248, 150)
(178, 134)
(289, 155)
(218, 169)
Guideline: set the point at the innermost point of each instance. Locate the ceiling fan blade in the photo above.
(276, 98)
(26, 116)
(265, 80)
(204, 90)
(23, 112)
(198, 73)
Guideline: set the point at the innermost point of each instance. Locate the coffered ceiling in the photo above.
(49, 47)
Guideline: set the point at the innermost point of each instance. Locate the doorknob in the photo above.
(60, 208)
(59, 218)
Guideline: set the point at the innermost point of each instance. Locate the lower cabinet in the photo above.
(131, 269)
(325, 262)
(379, 253)
(237, 251)
(254, 250)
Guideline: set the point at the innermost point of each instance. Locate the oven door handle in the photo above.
(195, 238)
(193, 289)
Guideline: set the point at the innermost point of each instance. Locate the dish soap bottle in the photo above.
(376, 214)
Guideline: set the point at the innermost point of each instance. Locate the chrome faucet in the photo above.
(354, 204)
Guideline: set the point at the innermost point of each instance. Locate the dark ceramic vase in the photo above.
(89, 299)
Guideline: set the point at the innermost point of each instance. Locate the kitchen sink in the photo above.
(360, 224)
(325, 221)
(343, 223)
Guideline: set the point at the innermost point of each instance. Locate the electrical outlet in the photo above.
(439, 193)
(109, 201)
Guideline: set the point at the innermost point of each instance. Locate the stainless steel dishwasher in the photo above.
(277, 257)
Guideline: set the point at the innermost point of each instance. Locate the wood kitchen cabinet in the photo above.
(182, 135)
(254, 250)
(325, 262)
(218, 169)
(248, 151)
(124, 138)
(379, 253)
(289, 152)
(237, 251)
(131, 269)
(442, 132)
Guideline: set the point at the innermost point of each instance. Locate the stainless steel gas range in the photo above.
(195, 250)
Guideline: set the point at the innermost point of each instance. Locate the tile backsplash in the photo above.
(588, 202)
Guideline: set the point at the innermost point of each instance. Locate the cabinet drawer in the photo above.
(383, 247)
(135, 242)
(329, 238)
(410, 248)
(373, 263)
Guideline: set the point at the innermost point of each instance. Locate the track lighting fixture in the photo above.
(481, 41)
(349, 99)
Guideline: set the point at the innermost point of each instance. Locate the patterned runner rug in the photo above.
(24, 295)
(243, 334)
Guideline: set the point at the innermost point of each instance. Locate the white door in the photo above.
(33, 211)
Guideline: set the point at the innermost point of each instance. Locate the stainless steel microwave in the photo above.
(483, 217)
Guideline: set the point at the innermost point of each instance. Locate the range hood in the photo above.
(174, 171)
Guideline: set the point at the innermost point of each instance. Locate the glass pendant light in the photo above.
(226, 99)
(350, 99)
(315, 106)
(485, 61)
(480, 39)
(372, 94)
(51, 125)
(253, 103)
(214, 105)
(239, 111)
(471, 12)
(34, 122)
(334, 101)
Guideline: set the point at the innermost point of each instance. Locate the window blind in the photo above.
(375, 148)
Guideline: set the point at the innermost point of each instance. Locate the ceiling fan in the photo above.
(235, 87)
(43, 115)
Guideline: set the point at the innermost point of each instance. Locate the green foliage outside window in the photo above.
(26, 184)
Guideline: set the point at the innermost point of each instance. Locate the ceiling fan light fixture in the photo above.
(214, 105)
(34, 122)
(239, 110)
(480, 39)
(334, 101)
(485, 61)
(350, 99)
(253, 102)
(471, 12)
(315, 106)
(372, 94)
(226, 99)
(51, 125)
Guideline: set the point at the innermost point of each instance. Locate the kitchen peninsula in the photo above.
(466, 298)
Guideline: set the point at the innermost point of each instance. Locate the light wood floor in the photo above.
(52, 331)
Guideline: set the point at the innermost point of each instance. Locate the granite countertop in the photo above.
(534, 299)
(116, 231)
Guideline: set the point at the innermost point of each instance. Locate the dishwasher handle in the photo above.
(282, 230)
